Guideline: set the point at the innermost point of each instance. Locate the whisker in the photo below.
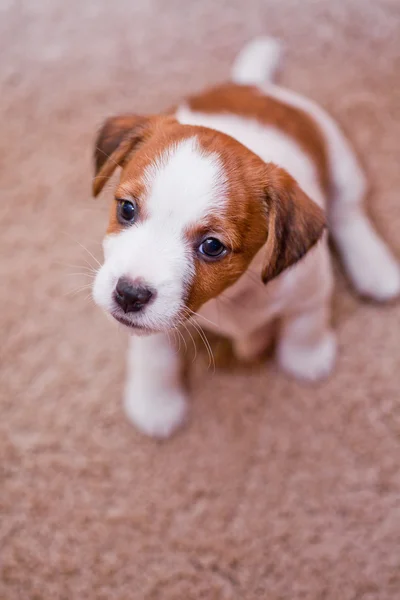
(89, 268)
(206, 343)
(107, 155)
(194, 343)
(176, 337)
(181, 336)
(90, 298)
(174, 342)
(193, 313)
(209, 350)
(84, 248)
(84, 274)
(169, 339)
(78, 290)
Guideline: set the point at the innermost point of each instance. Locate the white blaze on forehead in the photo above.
(184, 185)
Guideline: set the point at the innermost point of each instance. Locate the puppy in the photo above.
(229, 196)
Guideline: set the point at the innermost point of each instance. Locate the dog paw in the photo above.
(379, 280)
(309, 363)
(156, 415)
(370, 264)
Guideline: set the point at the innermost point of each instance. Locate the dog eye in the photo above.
(212, 248)
(126, 211)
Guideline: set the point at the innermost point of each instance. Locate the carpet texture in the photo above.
(274, 490)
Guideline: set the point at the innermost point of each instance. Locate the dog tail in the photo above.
(257, 62)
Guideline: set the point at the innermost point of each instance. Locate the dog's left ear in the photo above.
(295, 222)
(116, 140)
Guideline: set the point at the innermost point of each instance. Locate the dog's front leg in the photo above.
(307, 344)
(154, 397)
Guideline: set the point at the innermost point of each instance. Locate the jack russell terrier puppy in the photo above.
(238, 180)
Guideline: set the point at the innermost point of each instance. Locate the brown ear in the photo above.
(295, 223)
(115, 140)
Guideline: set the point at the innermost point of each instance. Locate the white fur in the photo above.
(183, 186)
(154, 398)
(370, 264)
(257, 62)
(307, 345)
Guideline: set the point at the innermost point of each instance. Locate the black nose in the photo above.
(131, 296)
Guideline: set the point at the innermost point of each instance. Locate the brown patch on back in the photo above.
(249, 102)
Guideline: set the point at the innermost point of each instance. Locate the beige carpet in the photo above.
(274, 490)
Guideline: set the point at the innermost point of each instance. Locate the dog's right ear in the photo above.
(116, 140)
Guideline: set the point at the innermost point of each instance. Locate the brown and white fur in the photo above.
(259, 168)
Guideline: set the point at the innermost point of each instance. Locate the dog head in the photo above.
(192, 208)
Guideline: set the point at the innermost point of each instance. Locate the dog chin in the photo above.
(134, 328)
(138, 329)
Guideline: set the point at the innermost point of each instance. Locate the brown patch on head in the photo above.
(264, 204)
(241, 225)
(249, 102)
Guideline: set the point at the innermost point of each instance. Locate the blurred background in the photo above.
(274, 490)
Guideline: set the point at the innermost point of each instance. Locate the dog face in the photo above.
(191, 210)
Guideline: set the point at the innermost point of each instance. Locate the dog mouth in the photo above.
(133, 326)
(143, 330)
